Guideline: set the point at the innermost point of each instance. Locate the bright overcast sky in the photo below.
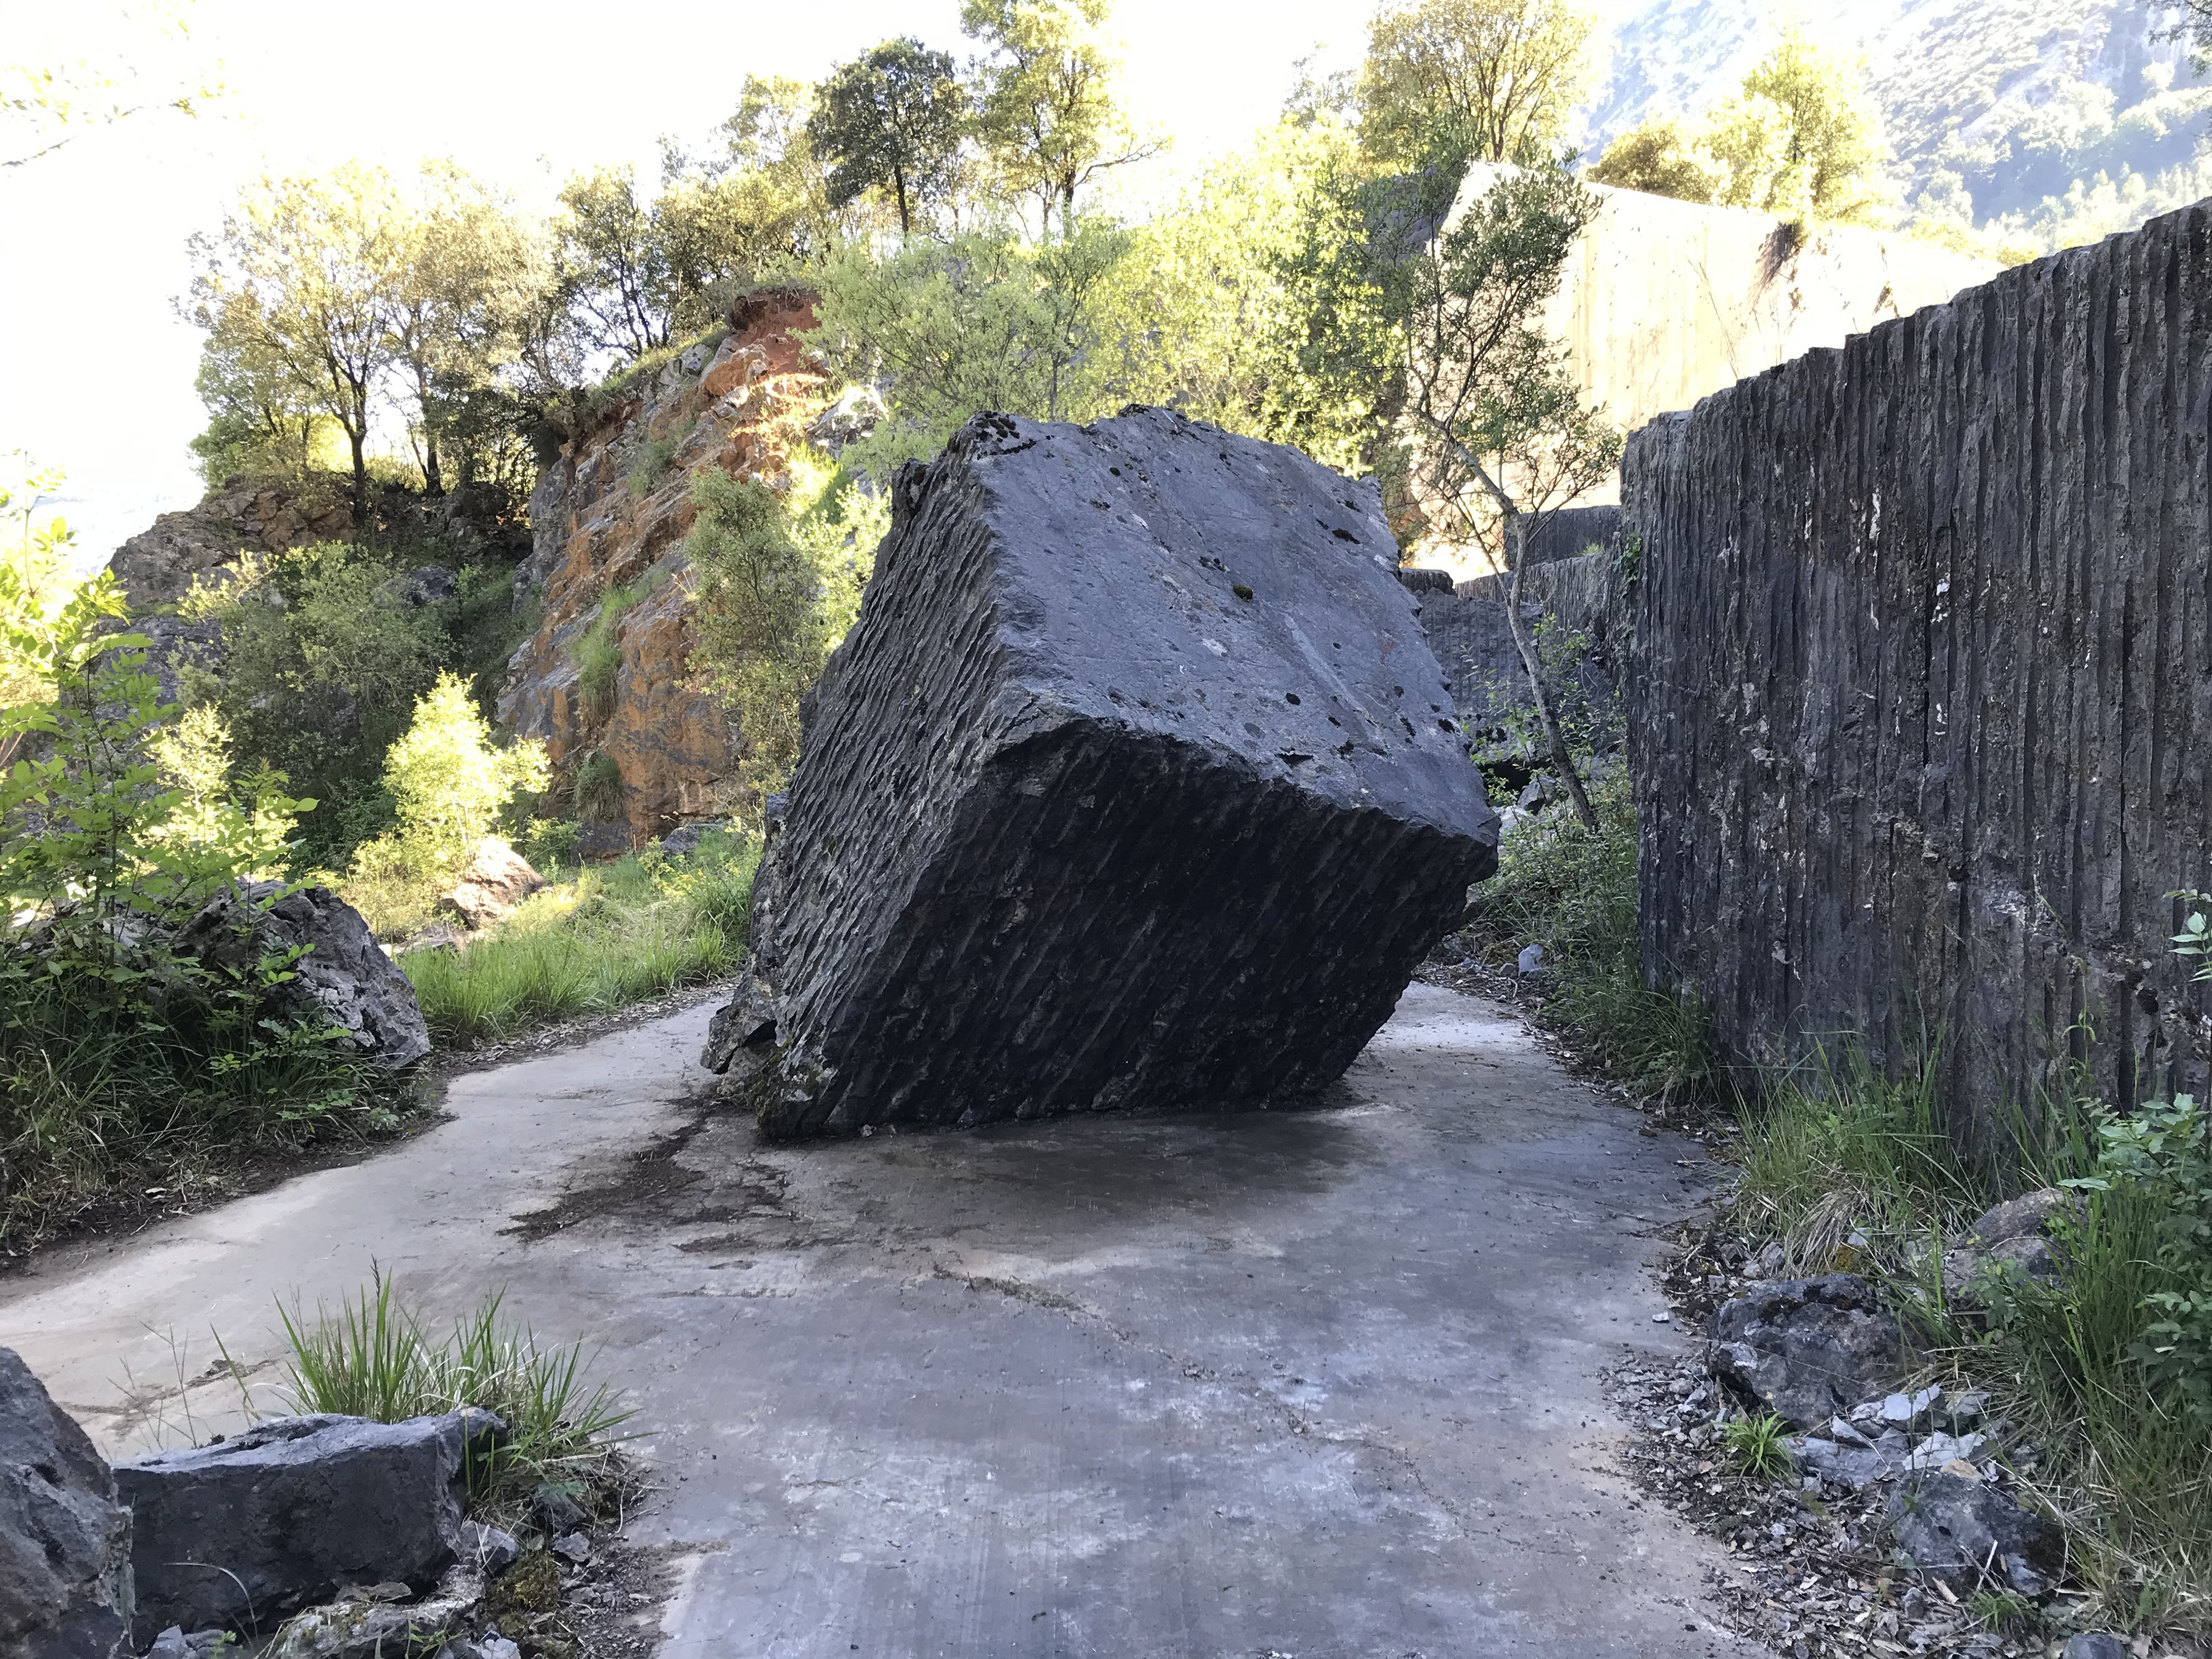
(96, 369)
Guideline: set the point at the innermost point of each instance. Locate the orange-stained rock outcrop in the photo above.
(613, 511)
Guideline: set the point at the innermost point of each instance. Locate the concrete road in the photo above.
(1319, 1384)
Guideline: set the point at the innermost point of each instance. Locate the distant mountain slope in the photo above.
(1996, 108)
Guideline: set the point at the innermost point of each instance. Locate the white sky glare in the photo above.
(96, 366)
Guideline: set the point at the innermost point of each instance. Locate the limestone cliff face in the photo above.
(612, 511)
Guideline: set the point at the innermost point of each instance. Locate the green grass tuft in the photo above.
(1753, 1445)
(634, 929)
(372, 1358)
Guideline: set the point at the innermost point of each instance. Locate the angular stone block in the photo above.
(285, 1513)
(1135, 784)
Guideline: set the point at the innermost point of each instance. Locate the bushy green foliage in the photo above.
(1574, 892)
(374, 1358)
(773, 598)
(119, 1052)
(1802, 140)
(615, 934)
(449, 787)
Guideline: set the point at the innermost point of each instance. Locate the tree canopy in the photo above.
(1450, 81)
(1800, 140)
(891, 120)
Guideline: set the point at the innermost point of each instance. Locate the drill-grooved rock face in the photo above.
(1135, 784)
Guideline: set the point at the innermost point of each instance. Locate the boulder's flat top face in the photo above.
(1128, 551)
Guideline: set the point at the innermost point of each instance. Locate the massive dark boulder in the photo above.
(64, 1541)
(1135, 784)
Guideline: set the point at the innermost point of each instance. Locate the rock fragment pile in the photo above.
(1135, 784)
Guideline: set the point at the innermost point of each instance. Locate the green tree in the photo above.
(320, 667)
(770, 601)
(1450, 81)
(1500, 434)
(1800, 140)
(1198, 314)
(449, 782)
(262, 417)
(1045, 111)
(891, 120)
(323, 262)
(471, 273)
(613, 265)
(1662, 158)
(1831, 150)
(986, 320)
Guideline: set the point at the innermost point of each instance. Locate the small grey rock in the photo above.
(1951, 1526)
(487, 1548)
(205, 1642)
(1530, 959)
(2094, 1645)
(2027, 1215)
(1938, 1450)
(572, 1547)
(170, 1644)
(498, 1647)
(556, 1511)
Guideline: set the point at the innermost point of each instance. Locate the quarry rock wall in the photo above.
(612, 512)
(1922, 697)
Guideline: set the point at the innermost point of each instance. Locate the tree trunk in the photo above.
(357, 436)
(898, 183)
(1517, 530)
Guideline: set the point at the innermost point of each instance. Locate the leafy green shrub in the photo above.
(776, 592)
(372, 1358)
(116, 1051)
(2163, 1153)
(630, 930)
(548, 843)
(449, 786)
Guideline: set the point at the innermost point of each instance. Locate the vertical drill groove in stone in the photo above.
(1135, 784)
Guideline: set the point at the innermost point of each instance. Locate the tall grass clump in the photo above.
(631, 930)
(1849, 1169)
(373, 1356)
(597, 655)
(1574, 893)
